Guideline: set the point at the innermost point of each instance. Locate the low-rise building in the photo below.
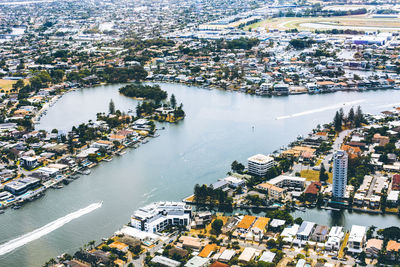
(373, 247)
(335, 238)
(305, 231)
(356, 240)
(156, 217)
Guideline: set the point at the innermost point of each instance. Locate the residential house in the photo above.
(373, 247)
(356, 240)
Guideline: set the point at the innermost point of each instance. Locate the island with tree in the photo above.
(154, 105)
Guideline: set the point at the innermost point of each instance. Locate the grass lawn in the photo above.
(312, 175)
(6, 85)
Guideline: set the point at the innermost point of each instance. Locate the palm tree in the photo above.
(91, 244)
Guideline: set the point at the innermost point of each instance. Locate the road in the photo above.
(337, 144)
(139, 262)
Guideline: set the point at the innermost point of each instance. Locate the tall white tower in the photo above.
(340, 159)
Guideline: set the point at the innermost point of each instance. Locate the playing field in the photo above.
(6, 85)
(358, 22)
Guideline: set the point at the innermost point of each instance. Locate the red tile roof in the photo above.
(313, 188)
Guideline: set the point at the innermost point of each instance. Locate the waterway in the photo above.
(220, 127)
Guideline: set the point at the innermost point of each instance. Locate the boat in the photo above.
(85, 172)
(15, 207)
(2, 211)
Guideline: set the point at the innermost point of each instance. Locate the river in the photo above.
(220, 127)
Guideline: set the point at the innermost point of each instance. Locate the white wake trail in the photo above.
(389, 105)
(307, 112)
(48, 228)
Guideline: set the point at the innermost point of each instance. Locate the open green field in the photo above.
(357, 22)
(6, 85)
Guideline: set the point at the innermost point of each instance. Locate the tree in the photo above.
(371, 231)
(323, 176)
(237, 167)
(19, 84)
(362, 257)
(337, 122)
(173, 101)
(359, 117)
(111, 107)
(350, 117)
(216, 226)
(298, 221)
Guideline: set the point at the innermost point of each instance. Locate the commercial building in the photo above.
(259, 164)
(340, 159)
(356, 239)
(156, 217)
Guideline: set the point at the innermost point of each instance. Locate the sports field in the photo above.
(357, 22)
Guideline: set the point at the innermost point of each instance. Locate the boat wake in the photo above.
(312, 111)
(44, 230)
(389, 105)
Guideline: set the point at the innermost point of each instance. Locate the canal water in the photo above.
(220, 127)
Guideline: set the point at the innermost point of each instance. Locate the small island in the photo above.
(149, 92)
(154, 106)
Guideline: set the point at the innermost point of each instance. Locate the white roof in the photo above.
(136, 233)
(267, 256)
(247, 254)
(233, 180)
(281, 178)
(197, 261)
(227, 254)
(260, 158)
(165, 261)
(276, 223)
(393, 196)
(336, 231)
(306, 228)
(290, 231)
(357, 233)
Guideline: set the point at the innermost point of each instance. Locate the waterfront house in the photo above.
(304, 232)
(234, 182)
(335, 237)
(373, 247)
(393, 198)
(119, 246)
(289, 233)
(276, 225)
(356, 240)
(393, 249)
(320, 233)
(245, 224)
(259, 227)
